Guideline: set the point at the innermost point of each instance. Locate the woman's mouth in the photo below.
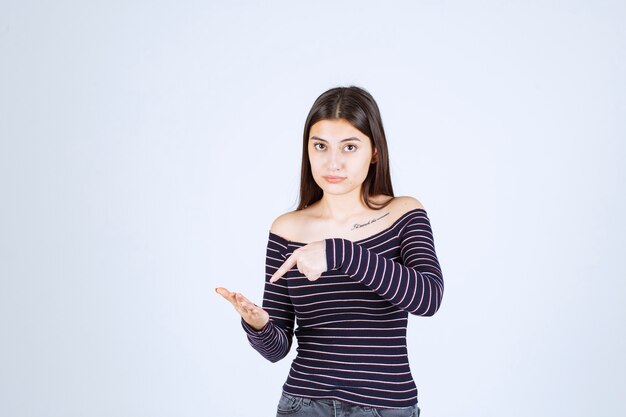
(333, 179)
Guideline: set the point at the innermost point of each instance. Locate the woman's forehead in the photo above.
(335, 130)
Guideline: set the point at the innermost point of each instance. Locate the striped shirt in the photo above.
(351, 322)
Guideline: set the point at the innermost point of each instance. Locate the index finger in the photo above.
(284, 268)
(229, 296)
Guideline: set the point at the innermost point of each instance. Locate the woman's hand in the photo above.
(254, 315)
(310, 259)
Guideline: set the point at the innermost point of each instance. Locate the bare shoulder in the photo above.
(405, 203)
(285, 224)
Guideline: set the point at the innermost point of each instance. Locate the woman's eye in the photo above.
(319, 146)
(350, 148)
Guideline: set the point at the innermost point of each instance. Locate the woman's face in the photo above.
(340, 156)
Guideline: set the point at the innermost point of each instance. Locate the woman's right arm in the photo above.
(273, 341)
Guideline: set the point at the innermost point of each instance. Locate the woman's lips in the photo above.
(333, 179)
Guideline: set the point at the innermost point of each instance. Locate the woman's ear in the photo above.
(374, 157)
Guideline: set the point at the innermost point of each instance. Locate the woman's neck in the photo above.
(342, 207)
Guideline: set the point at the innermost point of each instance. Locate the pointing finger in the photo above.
(285, 267)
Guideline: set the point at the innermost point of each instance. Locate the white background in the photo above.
(146, 147)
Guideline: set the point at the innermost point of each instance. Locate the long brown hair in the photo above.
(356, 106)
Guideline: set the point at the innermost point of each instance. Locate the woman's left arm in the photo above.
(415, 286)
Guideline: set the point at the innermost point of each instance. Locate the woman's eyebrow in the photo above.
(342, 140)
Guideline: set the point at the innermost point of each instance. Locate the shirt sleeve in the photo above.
(415, 285)
(273, 342)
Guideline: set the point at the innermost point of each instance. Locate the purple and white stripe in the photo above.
(352, 321)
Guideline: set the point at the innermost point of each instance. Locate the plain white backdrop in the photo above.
(146, 147)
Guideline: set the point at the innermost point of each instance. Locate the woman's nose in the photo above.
(335, 162)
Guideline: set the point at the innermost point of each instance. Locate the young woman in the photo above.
(348, 265)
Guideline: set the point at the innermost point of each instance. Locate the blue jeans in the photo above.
(290, 406)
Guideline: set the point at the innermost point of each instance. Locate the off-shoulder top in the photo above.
(351, 322)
